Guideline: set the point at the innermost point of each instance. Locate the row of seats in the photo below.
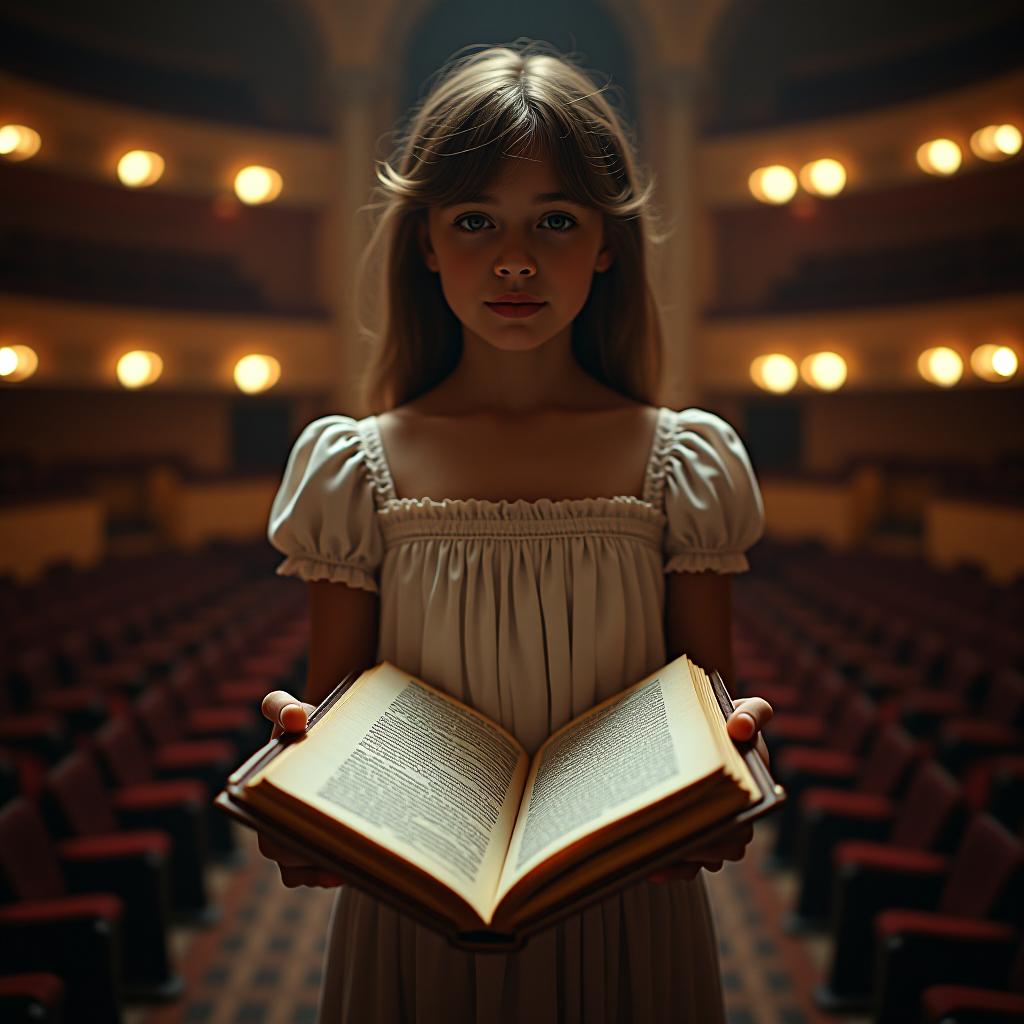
(93, 271)
(919, 272)
(899, 737)
(123, 708)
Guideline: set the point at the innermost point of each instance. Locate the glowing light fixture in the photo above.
(941, 365)
(139, 168)
(17, 362)
(138, 368)
(996, 141)
(775, 184)
(825, 177)
(774, 372)
(19, 142)
(940, 156)
(994, 362)
(255, 373)
(255, 184)
(824, 370)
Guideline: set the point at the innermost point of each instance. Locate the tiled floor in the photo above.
(270, 941)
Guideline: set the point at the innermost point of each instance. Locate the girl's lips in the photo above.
(515, 310)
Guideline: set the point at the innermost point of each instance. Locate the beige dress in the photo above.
(531, 611)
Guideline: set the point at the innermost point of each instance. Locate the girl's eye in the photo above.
(563, 217)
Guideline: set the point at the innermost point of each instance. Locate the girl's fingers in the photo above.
(288, 713)
(750, 715)
(294, 877)
(709, 857)
(294, 870)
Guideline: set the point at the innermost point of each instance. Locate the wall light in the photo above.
(139, 168)
(255, 184)
(139, 368)
(19, 142)
(940, 156)
(17, 362)
(994, 362)
(255, 373)
(775, 184)
(941, 365)
(825, 371)
(774, 372)
(996, 141)
(825, 177)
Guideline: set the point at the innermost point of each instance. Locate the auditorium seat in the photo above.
(981, 880)
(970, 936)
(135, 752)
(35, 997)
(55, 922)
(962, 1004)
(928, 816)
(88, 805)
(841, 739)
(996, 785)
(80, 814)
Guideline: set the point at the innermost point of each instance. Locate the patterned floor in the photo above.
(261, 963)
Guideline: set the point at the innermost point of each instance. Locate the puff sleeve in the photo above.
(323, 517)
(712, 500)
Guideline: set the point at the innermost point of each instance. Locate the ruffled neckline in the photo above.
(629, 506)
(621, 506)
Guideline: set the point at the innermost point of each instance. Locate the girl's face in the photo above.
(517, 238)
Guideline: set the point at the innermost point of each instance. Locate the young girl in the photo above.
(517, 522)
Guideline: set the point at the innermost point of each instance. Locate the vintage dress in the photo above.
(531, 611)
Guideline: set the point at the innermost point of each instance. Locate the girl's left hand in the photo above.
(750, 715)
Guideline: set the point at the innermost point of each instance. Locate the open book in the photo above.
(435, 809)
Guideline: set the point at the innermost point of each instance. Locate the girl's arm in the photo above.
(698, 620)
(344, 622)
(698, 623)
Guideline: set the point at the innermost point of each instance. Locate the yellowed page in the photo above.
(734, 763)
(415, 771)
(629, 751)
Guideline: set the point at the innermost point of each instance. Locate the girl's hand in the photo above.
(290, 715)
(750, 715)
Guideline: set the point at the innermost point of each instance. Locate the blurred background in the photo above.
(179, 231)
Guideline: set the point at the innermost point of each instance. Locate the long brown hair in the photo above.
(543, 101)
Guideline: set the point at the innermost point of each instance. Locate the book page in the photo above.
(415, 771)
(630, 751)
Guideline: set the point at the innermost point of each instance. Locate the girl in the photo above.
(517, 522)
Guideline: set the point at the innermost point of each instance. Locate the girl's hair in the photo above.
(543, 102)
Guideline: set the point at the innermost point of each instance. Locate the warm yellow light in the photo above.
(824, 370)
(826, 177)
(139, 168)
(137, 369)
(996, 141)
(774, 372)
(19, 142)
(940, 365)
(1007, 139)
(994, 362)
(940, 156)
(774, 184)
(254, 373)
(257, 184)
(17, 362)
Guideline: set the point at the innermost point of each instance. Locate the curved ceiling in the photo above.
(775, 62)
(252, 62)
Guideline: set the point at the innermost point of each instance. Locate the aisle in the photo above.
(270, 942)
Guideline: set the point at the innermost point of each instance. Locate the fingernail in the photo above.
(749, 718)
(285, 708)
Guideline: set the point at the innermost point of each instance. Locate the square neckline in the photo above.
(384, 484)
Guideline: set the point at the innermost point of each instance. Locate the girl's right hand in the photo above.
(289, 715)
